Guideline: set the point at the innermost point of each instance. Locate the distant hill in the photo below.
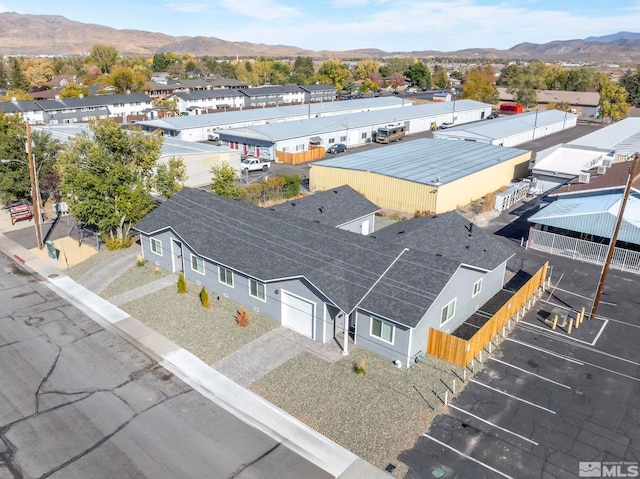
(57, 35)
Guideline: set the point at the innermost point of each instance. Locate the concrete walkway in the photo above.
(100, 276)
(266, 353)
(143, 290)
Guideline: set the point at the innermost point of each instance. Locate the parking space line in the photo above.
(529, 372)
(546, 351)
(563, 336)
(492, 424)
(512, 396)
(581, 296)
(466, 456)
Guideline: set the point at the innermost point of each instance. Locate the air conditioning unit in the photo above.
(584, 178)
(607, 162)
(602, 170)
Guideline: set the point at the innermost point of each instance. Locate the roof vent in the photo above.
(607, 162)
(584, 178)
(602, 170)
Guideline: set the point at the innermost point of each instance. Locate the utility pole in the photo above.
(614, 237)
(35, 190)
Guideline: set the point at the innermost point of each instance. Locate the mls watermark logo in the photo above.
(608, 469)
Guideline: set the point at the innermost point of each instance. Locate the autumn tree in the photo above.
(613, 99)
(104, 56)
(73, 90)
(478, 85)
(397, 65)
(18, 95)
(335, 73)
(440, 79)
(397, 80)
(38, 71)
(364, 68)
(127, 79)
(108, 175)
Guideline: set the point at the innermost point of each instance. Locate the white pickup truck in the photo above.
(253, 164)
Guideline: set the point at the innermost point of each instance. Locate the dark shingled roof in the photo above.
(333, 207)
(389, 279)
(449, 235)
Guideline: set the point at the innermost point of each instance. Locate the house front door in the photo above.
(178, 261)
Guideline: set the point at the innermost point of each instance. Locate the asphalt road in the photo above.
(76, 401)
(546, 401)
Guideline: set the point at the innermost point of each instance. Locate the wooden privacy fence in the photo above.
(461, 351)
(314, 153)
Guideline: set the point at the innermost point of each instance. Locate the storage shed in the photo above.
(512, 130)
(423, 175)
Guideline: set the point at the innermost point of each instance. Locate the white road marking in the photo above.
(468, 457)
(584, 297)
(512, 396)
(563, 335)
(492, 424)
(529, 372)
(546, 351)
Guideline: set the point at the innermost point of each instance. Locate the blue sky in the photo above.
(390, 25)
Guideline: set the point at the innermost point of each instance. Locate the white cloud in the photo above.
(266, 10)
(186, 7)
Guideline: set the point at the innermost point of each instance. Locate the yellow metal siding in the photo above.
(408, 197)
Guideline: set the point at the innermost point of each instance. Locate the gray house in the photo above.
(341, 207)
(385, 290)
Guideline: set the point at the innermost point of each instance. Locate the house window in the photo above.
(382, 330)
(257, 290)
(477, 287)
(332, 141)
(447, 312)
(364, 136)
(225, 276)
(156, 246)
(299, 147)
(197, 264)
(343, 138)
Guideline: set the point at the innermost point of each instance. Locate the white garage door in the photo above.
(297, 314)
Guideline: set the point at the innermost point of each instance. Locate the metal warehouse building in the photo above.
(199, 127)
(512, 130)
(423, 175)
(353, 129)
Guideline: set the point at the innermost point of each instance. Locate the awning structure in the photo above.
(315, 140)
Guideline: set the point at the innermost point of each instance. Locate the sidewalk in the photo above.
(251, 408)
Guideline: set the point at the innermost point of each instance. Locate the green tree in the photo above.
(108, 175)
(396, 65)
(478, 85)
(161, 61)
(335, 73)
(17, 78)
(418, 73)
(73, 90)
(630, 81)
(104, 56)
(526, 96)
(4, 80)
(170, 177)
(302, 71)
(440, 79)
(224, 181)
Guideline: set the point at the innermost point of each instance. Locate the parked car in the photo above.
(494, 114)
(446, 124)
(253, 164)
(337, 148)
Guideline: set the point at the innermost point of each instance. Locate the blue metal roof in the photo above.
(426, 160)
(593, 214)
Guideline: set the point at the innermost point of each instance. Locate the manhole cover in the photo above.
(54, 275)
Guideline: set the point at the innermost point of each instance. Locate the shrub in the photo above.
(360, 368)
(182, 284)
(112, 242)
(158, 271)
(140, 260)
(204, 298)
(243, 318)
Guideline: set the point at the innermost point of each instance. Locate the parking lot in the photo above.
(546, 400)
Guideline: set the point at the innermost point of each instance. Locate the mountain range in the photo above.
(57, 35)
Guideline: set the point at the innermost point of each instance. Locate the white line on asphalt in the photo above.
(546, 351)
(593, 343)
(550, 332)
(529, 372)
(512, 396)
(620, 322)
(468, 457)
(573, 361)
(581, 296)
(492, 424)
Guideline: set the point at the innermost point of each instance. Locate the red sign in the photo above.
(20, 212)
